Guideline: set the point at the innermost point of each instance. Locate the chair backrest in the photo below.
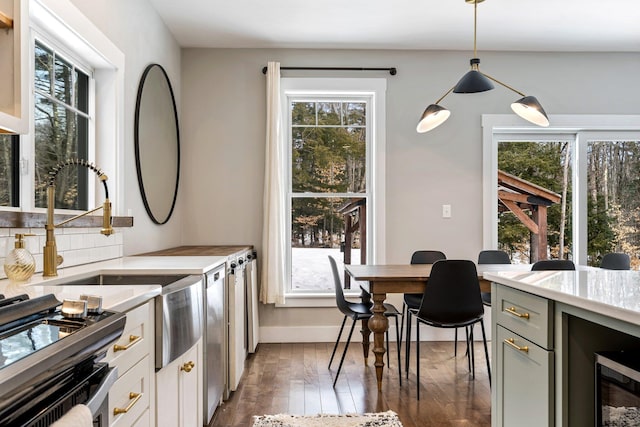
(427, 257)
(340, 299)
(616, 261)
(553, 264)
(452, 294)
(493, 257)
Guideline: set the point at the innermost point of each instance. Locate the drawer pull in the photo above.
(187, 367)
(512, 343)
(132, 340)
(134, 397)
(514, 311)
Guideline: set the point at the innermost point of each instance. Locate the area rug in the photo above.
(380, 419)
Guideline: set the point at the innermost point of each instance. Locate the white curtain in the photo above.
(273, 224)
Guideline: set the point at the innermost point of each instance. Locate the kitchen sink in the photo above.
(128, 279)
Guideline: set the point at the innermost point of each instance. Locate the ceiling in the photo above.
(521, 25)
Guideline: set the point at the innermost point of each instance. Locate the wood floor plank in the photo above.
(293, 378)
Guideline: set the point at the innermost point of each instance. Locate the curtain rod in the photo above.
(393, 71)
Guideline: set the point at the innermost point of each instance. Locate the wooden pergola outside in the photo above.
(355, 219)
(517, 195)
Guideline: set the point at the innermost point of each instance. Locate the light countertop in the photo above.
(115, 297)
(615, 294)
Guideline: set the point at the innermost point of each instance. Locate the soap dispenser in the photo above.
(19, 264)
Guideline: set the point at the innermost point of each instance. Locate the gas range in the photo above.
(45, 346)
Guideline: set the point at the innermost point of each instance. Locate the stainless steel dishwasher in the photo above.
(214, 341)
(179, 319)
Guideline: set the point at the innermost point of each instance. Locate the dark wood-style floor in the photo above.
(294, 379)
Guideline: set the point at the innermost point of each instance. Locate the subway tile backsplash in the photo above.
(76, 245)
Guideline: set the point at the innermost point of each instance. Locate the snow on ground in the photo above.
(311, 270)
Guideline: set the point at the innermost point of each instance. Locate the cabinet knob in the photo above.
(187, 367)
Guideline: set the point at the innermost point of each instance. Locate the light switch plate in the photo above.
(446, 211)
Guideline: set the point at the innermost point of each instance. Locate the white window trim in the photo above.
(60, 21)
(573, 127)
(376, 89)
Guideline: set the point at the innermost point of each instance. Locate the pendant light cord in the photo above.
(475, 27)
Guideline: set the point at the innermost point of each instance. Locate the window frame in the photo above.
(372, 90)
(76, 36)
(578, 129)
(80, 64)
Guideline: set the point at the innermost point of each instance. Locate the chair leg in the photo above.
(386, 336)
(408, 349)
(417, 358)
(472, 354)
(455, 343)
(337, 341)
(398, 344)
(404, 307)
(466, 332)
(486, 352)
(344, 353)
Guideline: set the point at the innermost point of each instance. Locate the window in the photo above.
(74, 67)
(332, 160)
(61, 127)
(591, 162)
(9, 178)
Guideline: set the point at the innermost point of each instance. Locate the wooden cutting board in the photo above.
(199, 251)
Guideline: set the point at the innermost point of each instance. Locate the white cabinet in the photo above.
(14, 51)
(179, 390)
(131, 399)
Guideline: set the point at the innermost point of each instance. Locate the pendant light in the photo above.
(475, 81)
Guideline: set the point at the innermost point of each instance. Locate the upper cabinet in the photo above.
(14, 66)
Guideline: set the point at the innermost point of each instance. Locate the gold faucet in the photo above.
(50, 253)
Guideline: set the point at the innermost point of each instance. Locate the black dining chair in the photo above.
(452, 300)
(616, 261)
(491, 256)
(553, 264)
(414, 300)
(358, 311)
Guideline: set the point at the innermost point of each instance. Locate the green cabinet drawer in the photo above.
(525, 379)
(525, 314)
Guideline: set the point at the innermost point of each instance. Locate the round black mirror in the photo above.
(157, 144)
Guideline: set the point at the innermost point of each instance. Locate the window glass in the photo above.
(540, 190)
(61, 128)
(613, 200)
(9, 178)
(328, 168)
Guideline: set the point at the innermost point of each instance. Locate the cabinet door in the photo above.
(14, 66)
(167, 395)
(524, 381)
(179, 390)
(191, 388)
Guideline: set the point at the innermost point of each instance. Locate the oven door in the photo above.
(42, 406)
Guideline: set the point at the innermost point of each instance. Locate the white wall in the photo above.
(223, 110)
(137, 30)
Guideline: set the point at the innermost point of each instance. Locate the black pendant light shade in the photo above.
(474, 81)
(530, 109)
(432, 117)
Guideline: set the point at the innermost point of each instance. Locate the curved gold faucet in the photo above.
(51, 259)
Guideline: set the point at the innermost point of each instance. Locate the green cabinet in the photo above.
(524, 379)
(523, 359)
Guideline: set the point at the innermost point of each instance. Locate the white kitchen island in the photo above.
(546, 328)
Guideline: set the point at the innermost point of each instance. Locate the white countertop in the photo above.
(615, 294)
(115, 297)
